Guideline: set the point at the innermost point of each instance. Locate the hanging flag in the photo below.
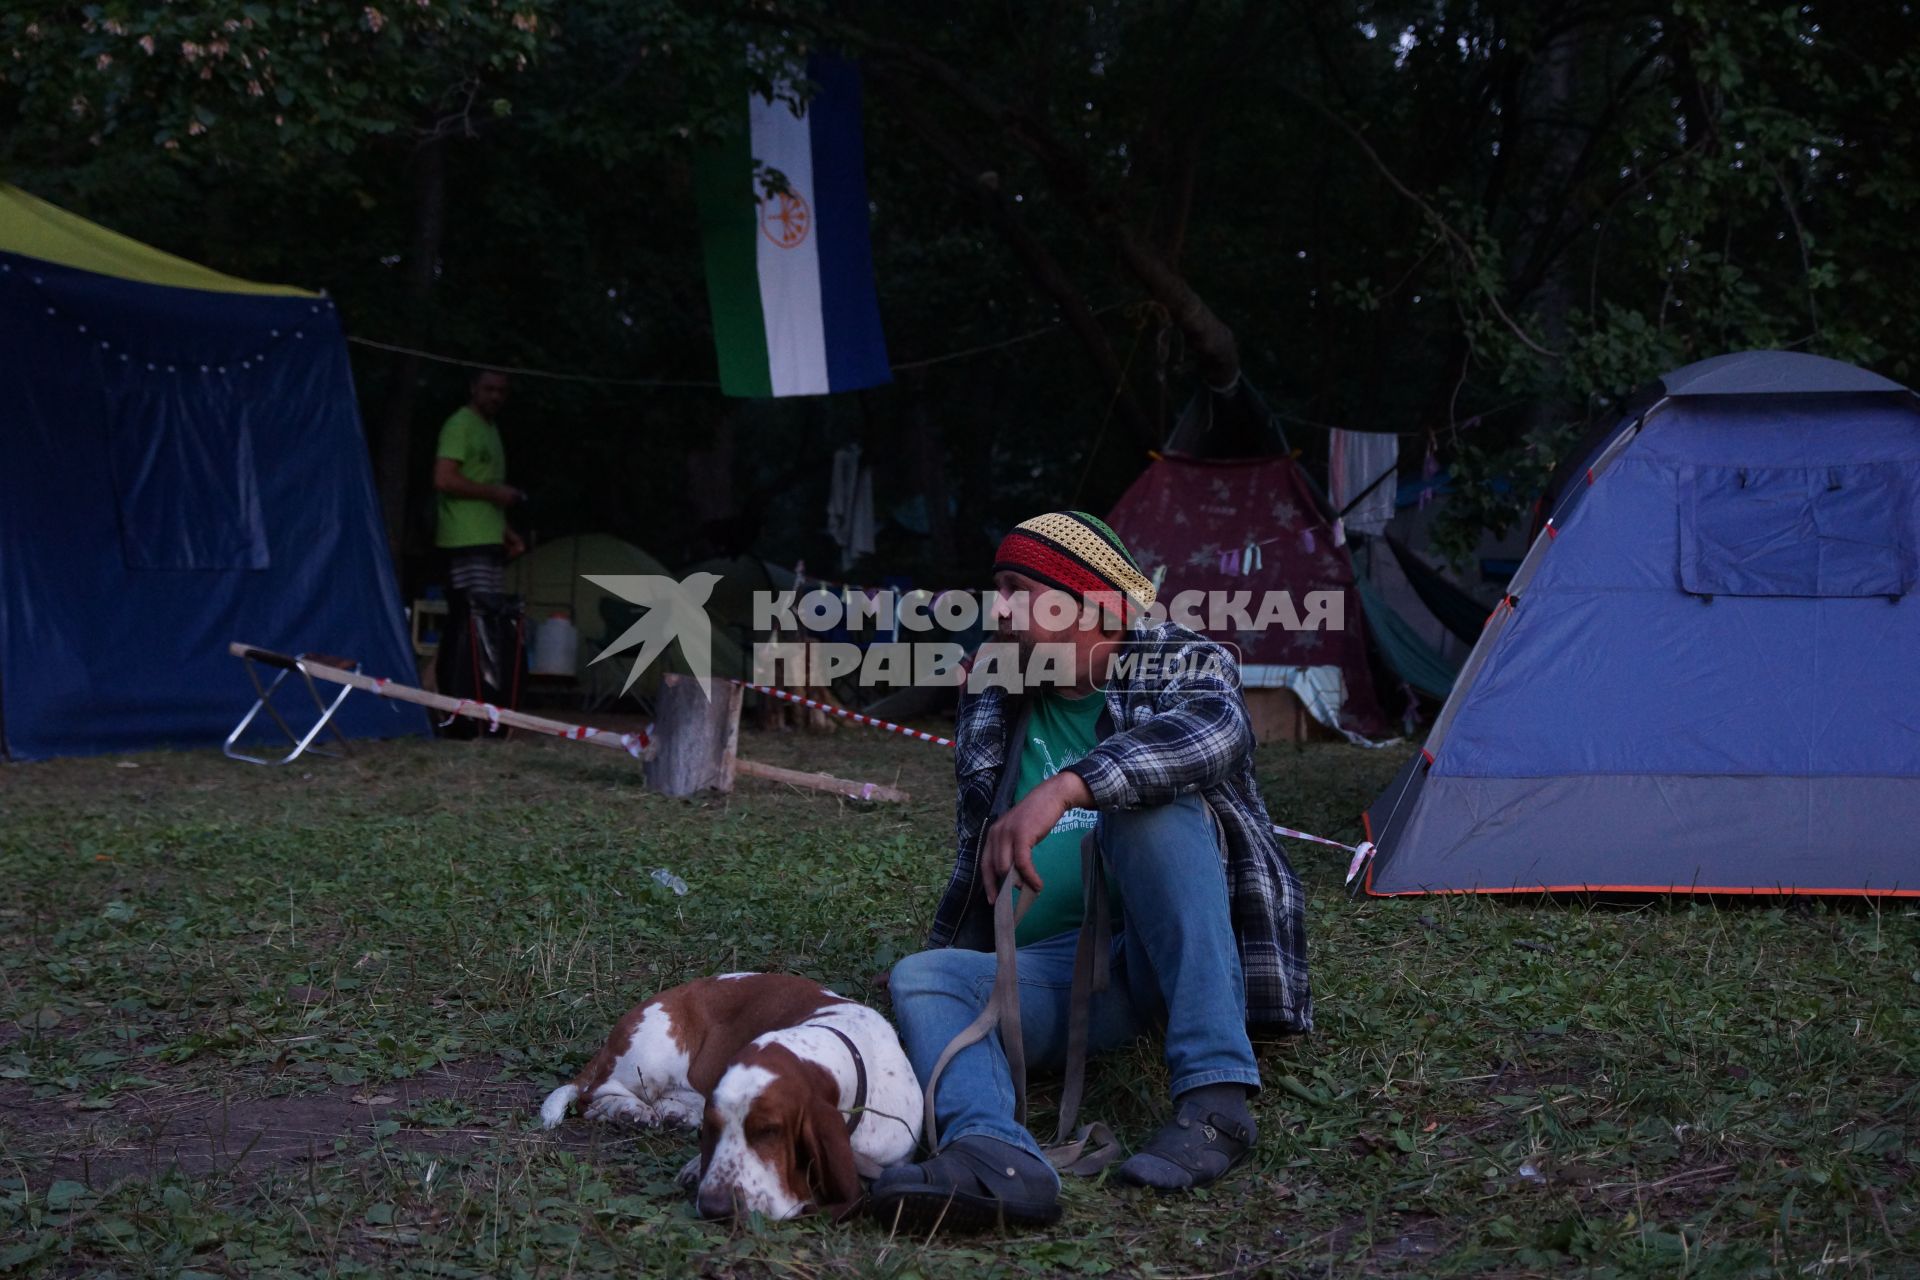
(790, 271)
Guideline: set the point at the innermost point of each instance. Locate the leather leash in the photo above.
(1093, 1147)
(1001, 1012)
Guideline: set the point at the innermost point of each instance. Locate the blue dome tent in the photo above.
(1706, 674)
(181, 465)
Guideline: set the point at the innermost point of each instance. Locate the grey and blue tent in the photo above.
(1705, 676)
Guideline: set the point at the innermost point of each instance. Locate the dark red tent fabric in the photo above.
(1198, 517)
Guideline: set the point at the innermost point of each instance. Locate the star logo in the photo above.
(674, 611)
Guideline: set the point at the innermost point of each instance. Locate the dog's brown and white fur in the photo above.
(748, 1058)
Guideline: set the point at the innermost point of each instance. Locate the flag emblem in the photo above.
(785, 218)
(789, 263)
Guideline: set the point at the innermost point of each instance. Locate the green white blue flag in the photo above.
(790, 272)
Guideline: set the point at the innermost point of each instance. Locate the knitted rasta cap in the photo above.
(1075, 552)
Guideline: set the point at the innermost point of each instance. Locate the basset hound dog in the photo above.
(797, 1092)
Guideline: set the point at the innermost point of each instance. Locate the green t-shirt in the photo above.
(1059, 732)
(474, 443)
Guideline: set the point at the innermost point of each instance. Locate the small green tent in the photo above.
(552, 578)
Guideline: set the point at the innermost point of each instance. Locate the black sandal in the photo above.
(971, 1185)
(1197, 1147)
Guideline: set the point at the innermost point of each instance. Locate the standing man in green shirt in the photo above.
(469, 476)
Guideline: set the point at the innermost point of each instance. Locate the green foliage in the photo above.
(1735, 197)
(231, 83)
(1493, 489)
(1480, 223)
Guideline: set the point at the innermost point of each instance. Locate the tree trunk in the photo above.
(710, 495)
(394, 464)
(1042, 267)
(698, 732)
(1048, 274)
(1208, 337)
(1553, 297)
(985, 413)
(926, 457)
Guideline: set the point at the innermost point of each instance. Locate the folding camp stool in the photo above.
(288, 666)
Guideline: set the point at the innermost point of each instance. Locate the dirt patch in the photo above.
(1413, 1237)
(1690, 1184)
(1404, 1241)
(456, 1108)
(1523, 1077)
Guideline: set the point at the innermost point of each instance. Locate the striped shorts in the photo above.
(477, 569)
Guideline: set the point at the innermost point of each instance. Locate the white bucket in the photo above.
(556, 647)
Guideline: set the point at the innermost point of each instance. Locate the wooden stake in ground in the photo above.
(774, 712)
(698, 741)
(820, 781)
(697, 728)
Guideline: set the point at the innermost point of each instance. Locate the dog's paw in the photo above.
(689, 1176)
(680, 1112)
(623, 1107)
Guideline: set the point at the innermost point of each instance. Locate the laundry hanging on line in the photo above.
(1360, 470)
(850, 506)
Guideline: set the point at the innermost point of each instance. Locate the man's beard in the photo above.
(1023, 644)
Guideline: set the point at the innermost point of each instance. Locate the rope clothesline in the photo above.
(904, 366)
(522, 371)
(1477, 420)
(556, 375)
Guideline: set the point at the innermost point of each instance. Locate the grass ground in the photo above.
(296, 1021)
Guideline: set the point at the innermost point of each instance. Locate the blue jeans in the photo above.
(1175, 965)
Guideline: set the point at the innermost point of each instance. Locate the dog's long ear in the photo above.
(829, 1155)
(710, 1126)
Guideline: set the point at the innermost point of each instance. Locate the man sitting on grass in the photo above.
(1209, 932)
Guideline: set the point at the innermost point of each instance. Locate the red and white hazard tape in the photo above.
(636, 743)
(1361, 852)
(486, 708)
(887, 726)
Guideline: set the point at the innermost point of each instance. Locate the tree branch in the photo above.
(1445, 228)
(1548, 245)
(1041, 265)
(1210, 339)
(1179, 167)
(1799, 235)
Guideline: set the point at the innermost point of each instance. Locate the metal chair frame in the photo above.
(302, 743)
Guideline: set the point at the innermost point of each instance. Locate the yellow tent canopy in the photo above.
(31, 227)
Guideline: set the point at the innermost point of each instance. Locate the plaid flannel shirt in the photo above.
(1162, 738)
